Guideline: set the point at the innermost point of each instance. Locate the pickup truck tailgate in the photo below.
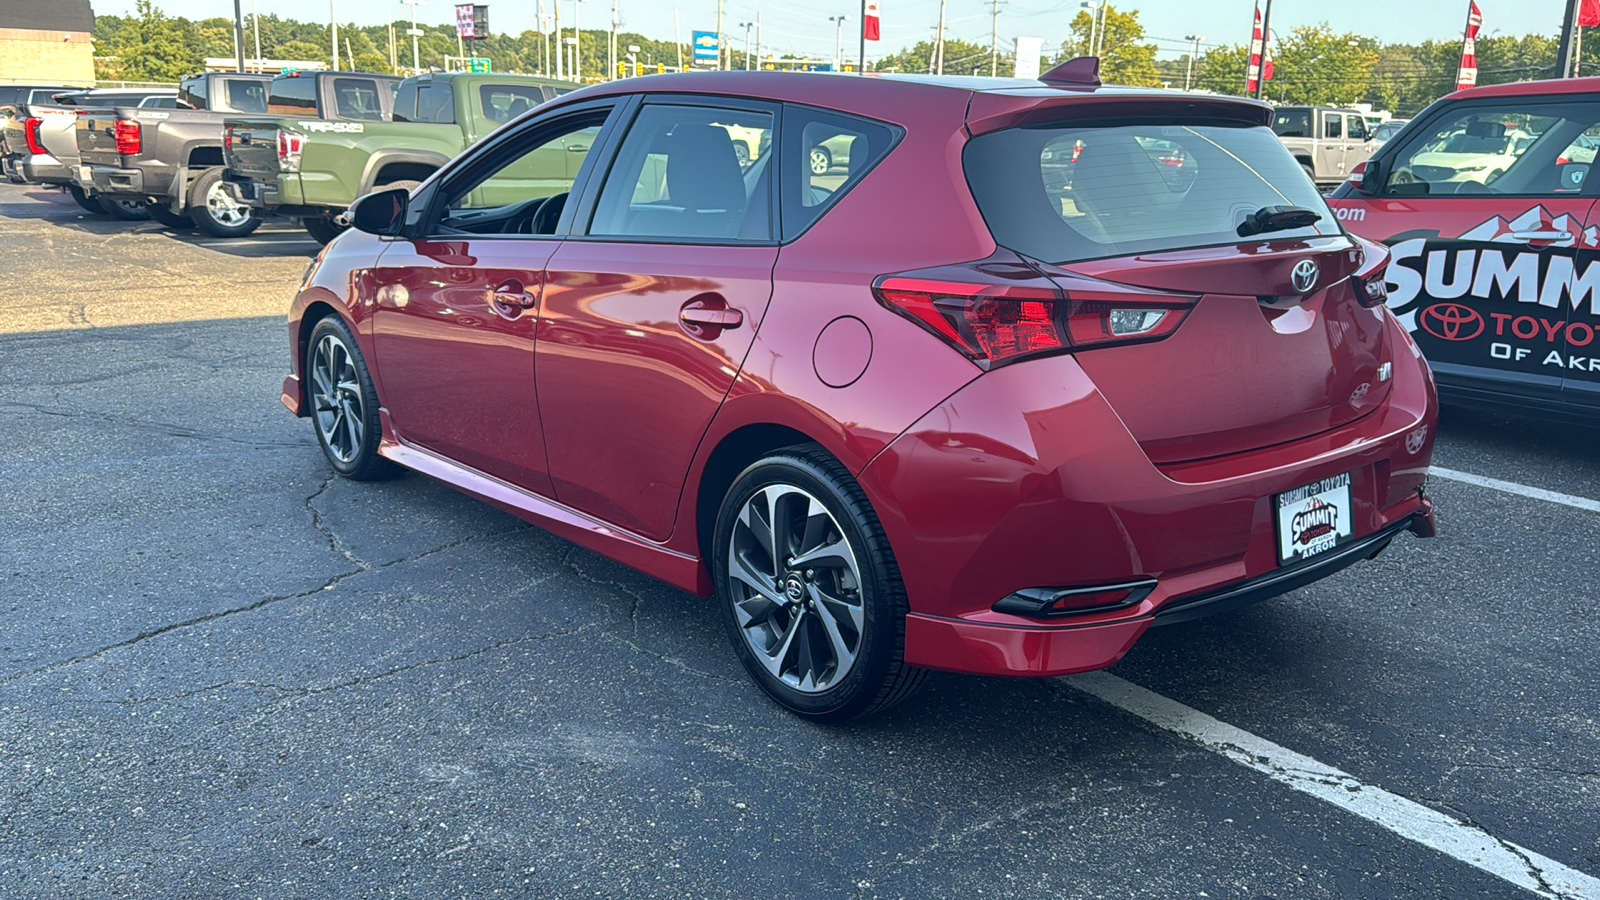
(250, 148)
(97, 138)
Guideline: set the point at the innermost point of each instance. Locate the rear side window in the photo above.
(292, 97)
(1070, 194)
(503, 102)
(192, 92)
(159, 103)
(357, 98)
(1292, 123)
(825, 154)
(436, 102)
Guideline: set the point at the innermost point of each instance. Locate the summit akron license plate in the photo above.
(1313, 518)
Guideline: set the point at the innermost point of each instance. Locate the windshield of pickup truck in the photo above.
(504, 102)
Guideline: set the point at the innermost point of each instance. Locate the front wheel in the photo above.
(811, 595)
(344, 404)
(323, 230)
(175, 221)
(215, 211)
(820, 160)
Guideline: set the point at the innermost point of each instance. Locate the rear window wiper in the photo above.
(1277, 218)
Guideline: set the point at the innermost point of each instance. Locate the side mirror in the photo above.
(382, 213)
(1372, 178)
(1571, 176)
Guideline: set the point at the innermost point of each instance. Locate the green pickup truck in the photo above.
(313, 169)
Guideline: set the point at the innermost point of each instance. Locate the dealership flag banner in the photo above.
(869, 20)
(1467, 74)
(464, 21)
(1258, 49)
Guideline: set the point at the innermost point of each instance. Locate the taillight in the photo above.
(30, 130)
(996, 322)
(1358, 174)
(1368, 279)
(289, 147)
(129, 141)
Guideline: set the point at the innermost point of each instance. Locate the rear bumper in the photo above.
(277, 195)
(1028, 479)
(42, 169)
(121, 182)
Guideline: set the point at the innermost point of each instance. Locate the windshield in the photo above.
(1069, 194)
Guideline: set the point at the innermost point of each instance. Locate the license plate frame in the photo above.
(1313, 519)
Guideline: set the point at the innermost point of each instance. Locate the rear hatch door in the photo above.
(1157, 202)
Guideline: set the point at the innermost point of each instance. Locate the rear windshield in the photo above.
(1070, 194)
(292, 96)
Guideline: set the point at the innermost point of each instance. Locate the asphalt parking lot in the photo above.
(225, 673)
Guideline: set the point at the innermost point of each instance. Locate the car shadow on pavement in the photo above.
(276, 237)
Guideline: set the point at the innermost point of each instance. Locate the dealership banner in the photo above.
(464, 21)
(1260, 55)
(869, 20)
(1467, 72)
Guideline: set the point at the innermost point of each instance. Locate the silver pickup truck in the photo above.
(1327, 142)
(171, 159)
(39, 145)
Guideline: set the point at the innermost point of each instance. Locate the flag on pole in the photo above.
(1252, 76)
(1467, 75)
(869, 21)
(1588, 13)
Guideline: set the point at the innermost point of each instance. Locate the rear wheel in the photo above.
(810, 593)
(122, 208)
(164, 215)
(82, 198)
(344, 404)
(324, 230)
(1310, 172)
(214, 209)
(820, 161)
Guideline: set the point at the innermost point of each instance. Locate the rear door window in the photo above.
(1075, 193)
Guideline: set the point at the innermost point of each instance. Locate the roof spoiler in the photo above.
(1078, 72)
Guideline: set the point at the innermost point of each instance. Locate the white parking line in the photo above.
(257, 242)
(1521, 490)
(1412, 821)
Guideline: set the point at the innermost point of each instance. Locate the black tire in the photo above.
(323, 230)
(90, 204)
(1310, 172)
(741, 152)
(123, 208)
(215, 211)
(408, 184)
(175, 221)
(805, 601)
(344, 408)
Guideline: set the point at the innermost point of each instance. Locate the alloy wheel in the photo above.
(223, 209)
(796, 588)
(336, 399)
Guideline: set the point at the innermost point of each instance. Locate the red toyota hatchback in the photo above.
(993, 388)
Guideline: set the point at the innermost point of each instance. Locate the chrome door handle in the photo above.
(711, 318)
(523, 300)
(574, 148)
(1541, 236)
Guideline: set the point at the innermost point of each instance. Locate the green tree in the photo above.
(1222, 70)
(960, 58)
(148, 46)
(1124, 57)
(1315, 66)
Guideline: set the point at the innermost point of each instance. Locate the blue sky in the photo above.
(801, 28)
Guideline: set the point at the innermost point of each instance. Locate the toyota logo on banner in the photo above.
(1451, 322)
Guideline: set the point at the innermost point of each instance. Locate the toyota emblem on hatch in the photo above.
(1304, 276)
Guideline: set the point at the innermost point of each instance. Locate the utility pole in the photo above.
(861, 59)
(611, 56)
(677, 37)
(1266, 46)
(937, 63)
(415, 32)
(994, 39)
(720, 66)
(747, 26)
(255, 24)
(1194, 50)
(577, 43)
(758, 37)
(238, 32)
(561, 50)
(333, 16)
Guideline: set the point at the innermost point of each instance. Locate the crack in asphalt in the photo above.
(636, 601)
(162, 427)
(1550, 770)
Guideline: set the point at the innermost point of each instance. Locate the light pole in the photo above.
(1093, 6)
(747, 26)
(1194, 50)
(838, 40)
(611, 52)
(238, 33)
(577, 40)
(572, 63)
(333, 17)
(936, 65)
(415, 32)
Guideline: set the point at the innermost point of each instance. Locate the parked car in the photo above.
(1387, 130)
(171, 159)
(1492, 266)
(40, 143)
(1007, 445)
(1326, 142)
(20, 95)
(306, 169)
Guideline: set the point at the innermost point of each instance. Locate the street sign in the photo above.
(705, 47)
(478, 64)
